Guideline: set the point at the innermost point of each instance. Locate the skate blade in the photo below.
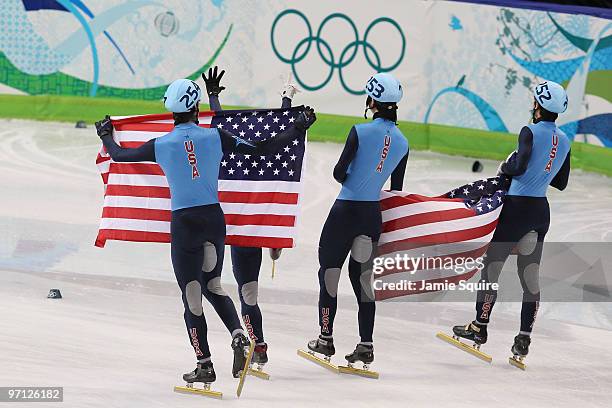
(465, 347)
(318, 360)
(259, 373)
(358, 371)
(198, 391)
(517, 362)
(245, 369)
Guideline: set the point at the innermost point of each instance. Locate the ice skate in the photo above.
(323, 346)
(246, 367)
(260, 358)
(471, 331)
(519, 350)
(260, 354)
(203, 373)
(364, 354)
(240, 345)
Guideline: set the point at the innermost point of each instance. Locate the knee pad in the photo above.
(210, 257)
(249, 293)
(493, 271)
(361, 250)
(527, 244)
(214, 286)
(332, 278)
(531, 278)
(193, 295)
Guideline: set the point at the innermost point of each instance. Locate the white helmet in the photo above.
(551, 96)
(182, 96)
(384, 87)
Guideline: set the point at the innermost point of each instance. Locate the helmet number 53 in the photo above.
(375, 88)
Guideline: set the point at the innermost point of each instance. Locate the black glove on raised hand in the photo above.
(306, 118)
(213, 80)
(104, 127)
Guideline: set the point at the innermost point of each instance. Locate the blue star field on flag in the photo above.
(484, 195)
(283, 165)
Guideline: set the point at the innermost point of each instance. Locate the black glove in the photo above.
(306, 118)
(104, 127)
(213, 80)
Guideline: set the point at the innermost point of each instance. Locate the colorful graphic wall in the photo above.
(461, 64)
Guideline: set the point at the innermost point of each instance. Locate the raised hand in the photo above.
(213, 81)
(289, 89)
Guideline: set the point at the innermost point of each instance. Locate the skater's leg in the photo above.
(529, 274)
(513, 225)
(223, 305)
(507, 233)
(528, 263)
(496, 256)
(360, 275)
(334, 246)
(186, 261)
(212, 266)
(363, 252)
(246, 263)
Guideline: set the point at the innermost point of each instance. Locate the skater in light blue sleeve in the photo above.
(373, 153)
(541, 159)
(190, 157)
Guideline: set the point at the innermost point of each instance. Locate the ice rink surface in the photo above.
(117, 339)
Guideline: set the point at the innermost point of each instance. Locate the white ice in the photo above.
(117, 337)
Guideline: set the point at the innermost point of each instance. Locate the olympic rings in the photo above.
(331, 64)
(326, 53)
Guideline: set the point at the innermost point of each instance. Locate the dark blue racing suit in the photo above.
(190, 157)
(542, 159)
(373, 152)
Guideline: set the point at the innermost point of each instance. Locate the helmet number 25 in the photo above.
(375, 88)
(190, 95)
(540, 89)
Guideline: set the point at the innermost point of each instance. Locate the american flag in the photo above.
(260, 195)
(441, 230)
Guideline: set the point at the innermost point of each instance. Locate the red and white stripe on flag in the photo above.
(432, 229)
(137, 197)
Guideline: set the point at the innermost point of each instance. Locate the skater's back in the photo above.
(549, 149)
(192, 182)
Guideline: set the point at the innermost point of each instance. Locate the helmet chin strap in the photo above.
(196, 120)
